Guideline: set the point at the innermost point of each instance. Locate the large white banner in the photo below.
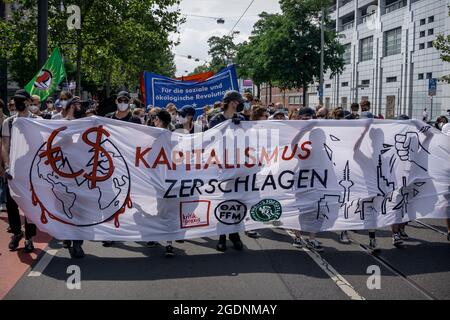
(100, 179)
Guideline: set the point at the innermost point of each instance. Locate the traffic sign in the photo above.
(432, 87)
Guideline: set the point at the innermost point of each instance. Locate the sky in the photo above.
(195, 32)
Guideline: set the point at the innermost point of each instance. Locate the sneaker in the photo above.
(108, 244)
(152, 244)
(236, 240)
(29, 247)
(373, 246)
(76, 252)
(397, 240)
(67, 244)
(403, 235)
(222, 244)
(252, 234)
(169, 251)
(314, 245)
(343, 238)
(298, 243)
(15, 239)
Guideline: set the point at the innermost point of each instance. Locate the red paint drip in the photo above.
(36, 202)
(127, 204)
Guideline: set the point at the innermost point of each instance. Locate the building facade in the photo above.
(389, 57)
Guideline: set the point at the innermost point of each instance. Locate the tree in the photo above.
(442, 43)
(284, 49)
(222, 50)
(117, 40)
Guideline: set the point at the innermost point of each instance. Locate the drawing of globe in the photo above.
(75, 201)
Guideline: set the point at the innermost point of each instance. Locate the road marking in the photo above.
(430, 227)
(337, 278)
(43, 263)
(394, 270)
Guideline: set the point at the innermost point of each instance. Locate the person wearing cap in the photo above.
(163, 120)
(123, 111)
(233, 104)
(278, 115)
(74, 110)
(50, 110)
(22, 101)
(185, 121)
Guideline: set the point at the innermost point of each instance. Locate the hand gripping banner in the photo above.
(99, 179)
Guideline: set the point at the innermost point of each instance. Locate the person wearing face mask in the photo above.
(12, 107)
(64, 97)
(138, 116)
(233, 104)
(50, 110)
(22, 101)
(35, 107)
(440, 122)
(74, 110)
(172, 110)
(185, 121)
(123, 111)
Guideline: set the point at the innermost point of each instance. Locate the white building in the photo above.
(389, 56)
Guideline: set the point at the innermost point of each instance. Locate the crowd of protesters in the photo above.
(233, 107)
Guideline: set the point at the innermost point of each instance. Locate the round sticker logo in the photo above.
(44, 80)
(266, 210)
(230, 212)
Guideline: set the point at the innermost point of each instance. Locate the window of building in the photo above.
(328, 86)
(430, 44)
(421, 46)
(365, 82)
(422, 34)
(366, 49)
(347, 53)
(392, 42)
(294, 100)
(344, 84)
(430, 32)
(429, 75)
(431, 19)
(391, 79)
(420, 76)
(423, 21)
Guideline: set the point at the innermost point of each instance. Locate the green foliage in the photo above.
(119, 38)
(284, 49)
(442, 43)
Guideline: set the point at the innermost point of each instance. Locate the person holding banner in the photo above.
(22, 101)
(233, 104)
(74, 110)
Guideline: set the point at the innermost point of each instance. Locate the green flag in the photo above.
(48, 78)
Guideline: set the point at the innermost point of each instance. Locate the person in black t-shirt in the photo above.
(123, 111)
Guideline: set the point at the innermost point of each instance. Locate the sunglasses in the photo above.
(123, 100)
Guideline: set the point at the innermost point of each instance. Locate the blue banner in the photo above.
(160, 90)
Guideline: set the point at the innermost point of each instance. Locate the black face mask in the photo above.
(240, 107)
(20, 106)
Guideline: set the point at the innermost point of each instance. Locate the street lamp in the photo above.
(42, 32)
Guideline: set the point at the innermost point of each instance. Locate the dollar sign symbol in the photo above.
(98, 150)
(52, 160)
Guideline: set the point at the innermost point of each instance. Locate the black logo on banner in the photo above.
(230, 212)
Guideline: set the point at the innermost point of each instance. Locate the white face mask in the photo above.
(13, 113)
(34, 108)
(440, 125)
(63, 104)
(181, 120)
(123, 106)
(174, 118)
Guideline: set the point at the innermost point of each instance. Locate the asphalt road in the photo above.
(269, 268)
